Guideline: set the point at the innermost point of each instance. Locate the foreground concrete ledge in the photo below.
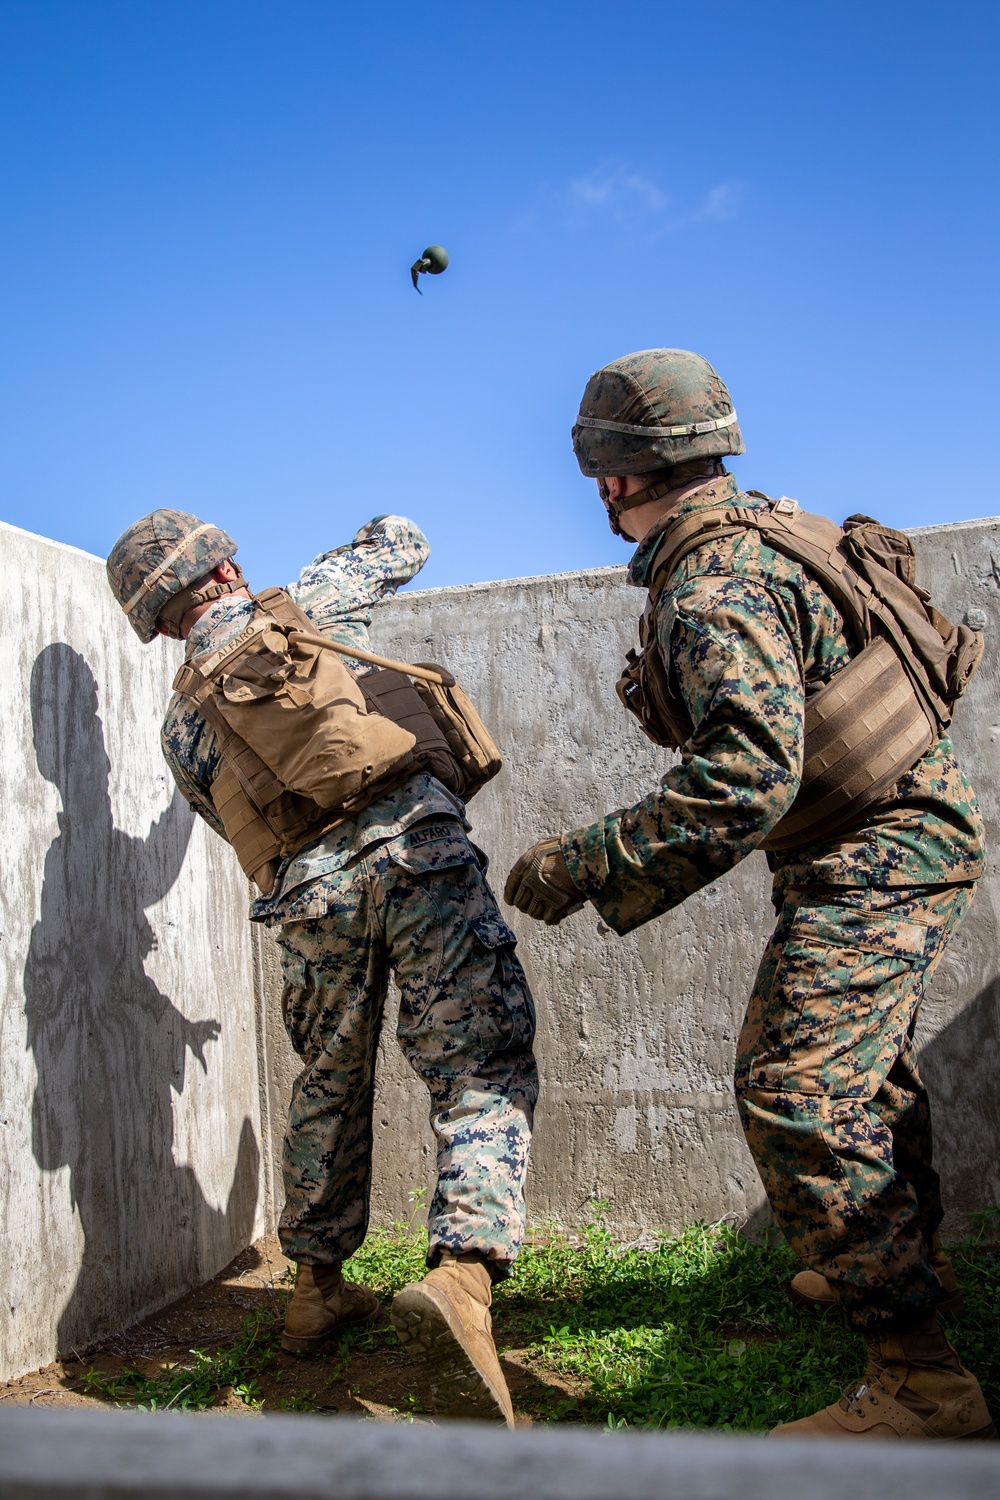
(159, 1457)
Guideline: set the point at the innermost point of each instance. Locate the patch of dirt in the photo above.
(380, 1382)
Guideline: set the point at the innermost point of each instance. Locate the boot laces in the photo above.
(854, 1395)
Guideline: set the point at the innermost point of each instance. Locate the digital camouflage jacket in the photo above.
(744, 629)
(338, 591)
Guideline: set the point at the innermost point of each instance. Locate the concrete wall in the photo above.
(129, 1122)
(637, 1035)
(86, 1455)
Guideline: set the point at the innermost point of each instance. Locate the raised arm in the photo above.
(340, 588)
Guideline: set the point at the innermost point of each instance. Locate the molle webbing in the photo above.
(880, 713)
(862, 731)
(391, 693)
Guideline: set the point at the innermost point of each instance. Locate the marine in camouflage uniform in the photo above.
(398, 888)
(827, 1084)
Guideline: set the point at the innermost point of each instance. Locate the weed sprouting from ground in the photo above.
(692, 1330)
(194, 1386)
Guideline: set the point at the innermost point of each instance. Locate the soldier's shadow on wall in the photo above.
(110, 1049)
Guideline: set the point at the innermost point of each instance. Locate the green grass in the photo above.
(697, 1331)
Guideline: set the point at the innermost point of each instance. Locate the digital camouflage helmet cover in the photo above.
(652, 410)
(154, 563)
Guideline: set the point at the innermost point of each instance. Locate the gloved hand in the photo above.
(539, 884)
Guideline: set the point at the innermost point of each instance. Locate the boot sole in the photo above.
(428, 1330)
(319, 1343)
(984, 1435)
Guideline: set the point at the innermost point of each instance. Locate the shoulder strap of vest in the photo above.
(683, 537)
(814, 541)
(280, 604)
(195, 677)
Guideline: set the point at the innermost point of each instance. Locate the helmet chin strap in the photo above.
(615, 508)
(173, 612)
(674, 478)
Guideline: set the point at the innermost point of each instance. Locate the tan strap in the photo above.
(279, 603)
(863, 730)
(687, 534)
(152, 579)
(683, 429)
(210, 665)
(807, 539)
(424, 673)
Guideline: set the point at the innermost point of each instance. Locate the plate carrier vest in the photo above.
(875, 718)
(305, 743)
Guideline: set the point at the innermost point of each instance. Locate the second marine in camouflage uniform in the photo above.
(828, 1089)
(396, 888)
(827, 1085)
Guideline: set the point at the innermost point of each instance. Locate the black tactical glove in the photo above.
(539, 884)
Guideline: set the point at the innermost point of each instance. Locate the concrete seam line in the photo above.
(97, 1454)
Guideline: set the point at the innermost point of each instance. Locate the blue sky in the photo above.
(208, 211)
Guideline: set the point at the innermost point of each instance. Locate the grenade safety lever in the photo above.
(433, 261)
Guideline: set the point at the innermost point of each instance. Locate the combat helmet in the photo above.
(154, 563)
(652, 410)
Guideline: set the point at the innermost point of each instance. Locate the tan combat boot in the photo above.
(322, 1304)
(813, 1290)
(445, 1319)
(914, 1387)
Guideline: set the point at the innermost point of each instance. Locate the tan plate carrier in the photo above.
(880, 713)
(304, 743)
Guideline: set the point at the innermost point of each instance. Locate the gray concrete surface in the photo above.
(97, 1456)
(129, 1120)
(637, 1035)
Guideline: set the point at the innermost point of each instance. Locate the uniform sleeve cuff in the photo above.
(622, 903)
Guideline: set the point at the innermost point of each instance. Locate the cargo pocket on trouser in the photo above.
(499, 998)
(302, 987)
(462, 989)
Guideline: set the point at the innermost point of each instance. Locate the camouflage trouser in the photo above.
(419, 906)
(829, 1093)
